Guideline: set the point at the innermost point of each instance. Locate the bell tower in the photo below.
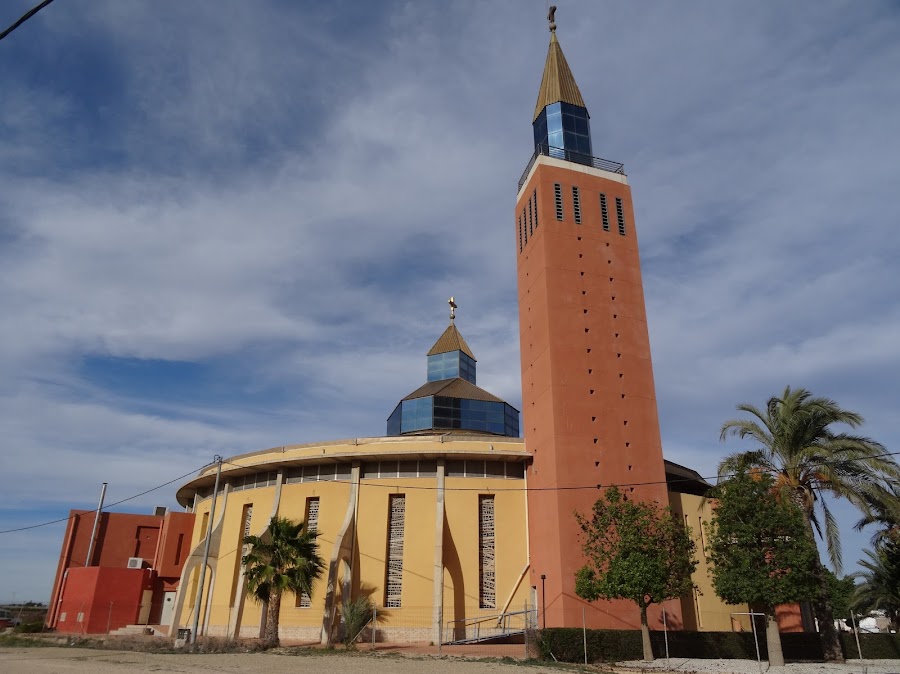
(589, 404)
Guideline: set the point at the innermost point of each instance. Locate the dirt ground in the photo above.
(78, 660)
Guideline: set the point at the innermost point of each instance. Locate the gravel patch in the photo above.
(86, 661)
(687, 665)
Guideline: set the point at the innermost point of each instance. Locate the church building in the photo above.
(459, 523)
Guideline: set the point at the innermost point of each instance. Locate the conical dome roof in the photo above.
(451, 340)
(558, 84)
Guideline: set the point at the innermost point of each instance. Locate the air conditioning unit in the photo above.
(135, 562)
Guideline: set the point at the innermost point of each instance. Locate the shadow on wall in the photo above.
(453, 567)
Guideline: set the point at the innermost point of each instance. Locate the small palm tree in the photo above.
(806, 458)
(284, 557)
(880, 587)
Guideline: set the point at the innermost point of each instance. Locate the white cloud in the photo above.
(287, 197)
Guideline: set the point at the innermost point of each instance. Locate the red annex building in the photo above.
(131, 577)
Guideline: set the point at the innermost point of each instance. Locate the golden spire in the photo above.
(558, 84)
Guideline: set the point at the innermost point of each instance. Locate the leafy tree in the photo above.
(758, 551)
(636, 551)
(806, 459)
(285, 557)
(880, 587)
(840, 591)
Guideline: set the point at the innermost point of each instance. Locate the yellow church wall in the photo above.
(415, 619)
(704, 611)
(418, 546)
(333, 498)
(462, 596)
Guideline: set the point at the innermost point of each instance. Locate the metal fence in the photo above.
(575, 157)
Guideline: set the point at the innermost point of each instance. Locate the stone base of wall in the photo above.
(401, 635)
(395, 634)
(300, 633)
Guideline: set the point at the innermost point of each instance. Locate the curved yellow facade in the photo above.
(449, 510)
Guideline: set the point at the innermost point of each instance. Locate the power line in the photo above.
(430, 488)
(27, 15)
(124, 500)
(255, 471)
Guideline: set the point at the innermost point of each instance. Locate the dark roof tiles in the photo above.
(451, 340)
(453, 388)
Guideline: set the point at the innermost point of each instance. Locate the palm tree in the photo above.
(807, 460)
(884, 512)
(285, 557)
(880, 589)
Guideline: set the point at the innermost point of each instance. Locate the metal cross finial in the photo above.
(452, 304)
(551, 17)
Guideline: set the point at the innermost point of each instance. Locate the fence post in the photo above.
(584, 633)
(856, 634)
(374, 625)
(756, 641)
(109, 618)
(525, 631)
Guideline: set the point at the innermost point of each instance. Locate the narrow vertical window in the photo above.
(525, 226)
(312, 526)
(204, 525)
(557, 193)
(530, 218)
(243, 548)
(576, 205)
(248, 517)
(604, 212)
(487, 573)
(534, 196)
(394, 584)
(519, 228)
(620, 216)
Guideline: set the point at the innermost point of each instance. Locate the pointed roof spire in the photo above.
(451, 340)
(558, 84)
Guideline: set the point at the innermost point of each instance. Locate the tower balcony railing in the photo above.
(574, 157)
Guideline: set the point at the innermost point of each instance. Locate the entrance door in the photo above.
(168, 608)
(146, 601)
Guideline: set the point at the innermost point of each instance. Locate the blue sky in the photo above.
(229, 226)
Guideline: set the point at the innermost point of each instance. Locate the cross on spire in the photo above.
(551, 17)
(452, 304)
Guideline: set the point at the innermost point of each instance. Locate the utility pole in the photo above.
(90, 552)
(209, 529)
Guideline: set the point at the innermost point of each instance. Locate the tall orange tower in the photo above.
(589, 405)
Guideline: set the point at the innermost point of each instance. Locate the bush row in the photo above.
(567, 645)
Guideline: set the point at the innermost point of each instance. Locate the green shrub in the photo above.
(357, 614)
(874, 646)
(33, 627)
(567, 645)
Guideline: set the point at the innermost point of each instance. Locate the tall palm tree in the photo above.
(807, 459)
(284, 557)
(880, 587)
(883, 512)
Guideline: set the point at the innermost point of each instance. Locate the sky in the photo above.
(230, 226)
